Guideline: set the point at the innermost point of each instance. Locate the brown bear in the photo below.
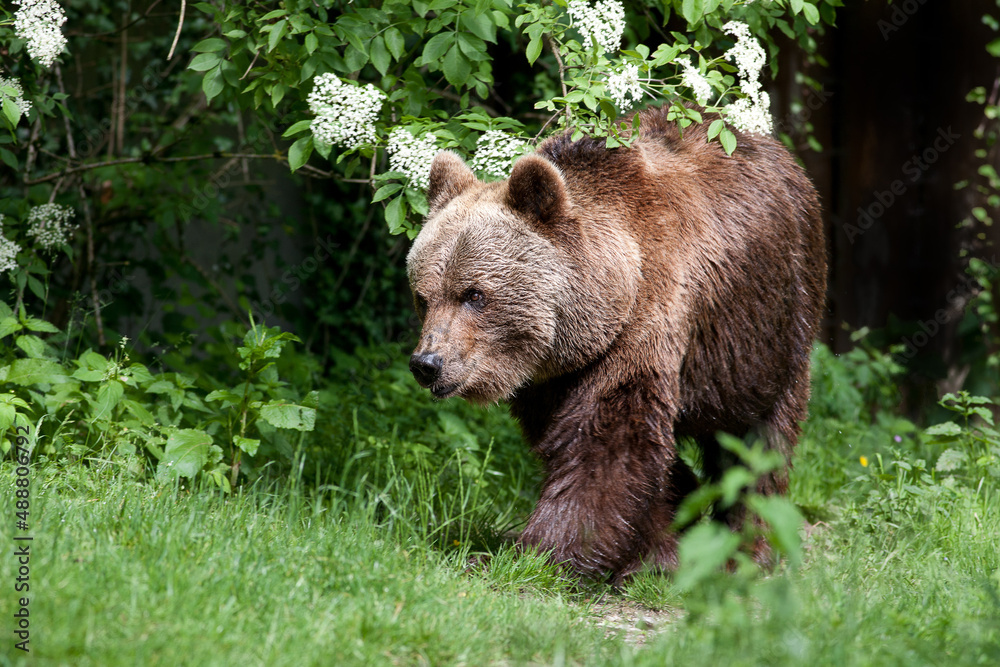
(620, 300)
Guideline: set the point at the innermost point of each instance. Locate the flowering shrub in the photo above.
(341, 79)
(601, 25)
(345, 114)
(50, 225)
(496, 151)
(127, 133)
(39, 23)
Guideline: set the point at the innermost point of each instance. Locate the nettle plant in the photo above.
(379, 88)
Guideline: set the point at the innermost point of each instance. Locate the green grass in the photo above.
(372, 566)
(124, 575)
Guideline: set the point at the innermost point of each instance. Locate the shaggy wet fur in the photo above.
(619, 300)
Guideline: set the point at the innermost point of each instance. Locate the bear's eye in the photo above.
(474, 298)
(421, 304)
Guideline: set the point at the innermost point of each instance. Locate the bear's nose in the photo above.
(426, 368)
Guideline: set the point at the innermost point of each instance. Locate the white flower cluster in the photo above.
(412, 155)
(693, 79)
(496, 151)
(602, 25)
(38, 22)
(625, 84)
(8, 251)
(17, 97)
(345, 114)
(50, 225)
(752, 113)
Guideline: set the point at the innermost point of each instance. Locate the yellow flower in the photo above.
(864, 461)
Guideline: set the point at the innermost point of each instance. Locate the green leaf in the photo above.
(107, 398)
(481, 26)
(26, 372)
(185, 455)
(534, 49)
(7, 415)
(785, 522)
(35, 324)
(210, 45)
(213, 83)
(456, 67)
(88, 375)
(248, 445)
(379, 55)
(811, 13)
(395, 42)
(692, 11)
(437, 46)
(395, 214)
(139, 412)
(11, 111)
(224, 395)
(728, 141)
(312, 42)
(947, 429)
(386, 191)
(33, 346)
(300, 126)
(8, 158)
(733, 482)
(277, 32)
(985, 413)
(950, 459)
(9, 325)
(716, 127)
(994, 48)
(299, 152)
(796, 6)
(288, 415)
(204, 62)
(703, 550)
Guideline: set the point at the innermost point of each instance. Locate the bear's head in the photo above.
(513, 281)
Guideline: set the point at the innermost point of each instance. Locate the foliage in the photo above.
(85, 406)
(709, 545)
(981, 327)
(974, 446)
(165, 161)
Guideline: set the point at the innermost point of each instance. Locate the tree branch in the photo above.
(177, 35)
(183, 158)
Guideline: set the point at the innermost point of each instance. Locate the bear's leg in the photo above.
(603, 504)
(779, 431)
(662, 553)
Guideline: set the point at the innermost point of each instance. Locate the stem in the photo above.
(562, 70)
(177, 35)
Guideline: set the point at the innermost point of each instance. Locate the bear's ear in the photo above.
(536, 190)
(449, 178)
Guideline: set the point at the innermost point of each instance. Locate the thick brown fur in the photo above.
(620, 300)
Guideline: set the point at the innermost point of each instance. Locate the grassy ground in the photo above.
(901, 565)
(124, 575)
